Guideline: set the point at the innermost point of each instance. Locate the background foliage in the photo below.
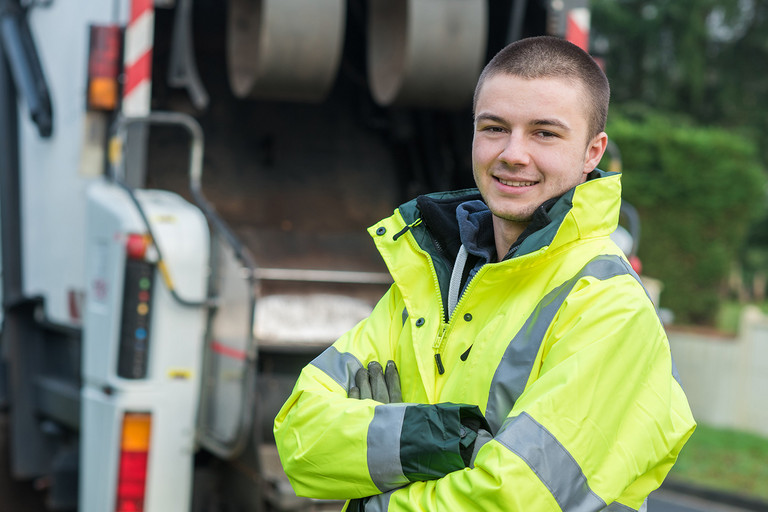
(706, 58)
(695, 153)
(697, 190)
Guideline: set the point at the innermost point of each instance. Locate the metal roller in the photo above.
(284, 49)
(426, 52)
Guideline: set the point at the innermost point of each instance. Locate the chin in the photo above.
(515, 216)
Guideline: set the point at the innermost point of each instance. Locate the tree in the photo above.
(705, 58)
(697, 190)
(701, 61)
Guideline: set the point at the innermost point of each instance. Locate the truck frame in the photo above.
(184, 191)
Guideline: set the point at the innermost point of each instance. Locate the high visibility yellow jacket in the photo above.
(557, 347)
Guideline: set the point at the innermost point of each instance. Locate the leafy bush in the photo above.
(697, 190)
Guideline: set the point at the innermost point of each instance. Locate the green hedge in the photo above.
(697, 190)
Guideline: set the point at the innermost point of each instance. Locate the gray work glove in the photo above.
(376, 384)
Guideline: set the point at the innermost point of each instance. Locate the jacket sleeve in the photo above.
(336, 447)
(598, 426)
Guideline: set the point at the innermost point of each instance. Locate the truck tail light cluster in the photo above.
(134, 453)
(104, 64)
(134, 344)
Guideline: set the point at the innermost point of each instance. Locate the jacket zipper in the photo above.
(444, 327)
(438, 345)
(441, 335)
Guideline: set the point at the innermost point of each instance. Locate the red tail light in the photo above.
(104, 67)
(134, 454)
(136, 246)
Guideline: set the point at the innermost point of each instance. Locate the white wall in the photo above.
(726, 379)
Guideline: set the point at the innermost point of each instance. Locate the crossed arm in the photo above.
(375, 383)
(564, 445)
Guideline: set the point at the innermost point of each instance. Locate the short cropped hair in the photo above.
(553, 57)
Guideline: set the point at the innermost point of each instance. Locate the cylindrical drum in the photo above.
(284, 49)
(426, 52)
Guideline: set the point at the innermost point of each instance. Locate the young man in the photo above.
(535, 373)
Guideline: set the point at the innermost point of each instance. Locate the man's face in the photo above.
(531, 143)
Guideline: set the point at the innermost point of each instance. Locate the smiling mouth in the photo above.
(511, 183)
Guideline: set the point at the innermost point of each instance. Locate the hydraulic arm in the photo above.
(19, 48)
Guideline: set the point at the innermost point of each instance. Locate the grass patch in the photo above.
(727, 460)
(729, 315)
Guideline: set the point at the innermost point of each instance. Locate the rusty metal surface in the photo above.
(299, 185)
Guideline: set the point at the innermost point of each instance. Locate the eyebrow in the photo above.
(556, 123)
(489, 117)
(551, 122)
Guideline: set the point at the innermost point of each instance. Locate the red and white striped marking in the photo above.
(137, 89)
(228, 351)
(577, 27)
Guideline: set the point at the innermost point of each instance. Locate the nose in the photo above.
(515, 151)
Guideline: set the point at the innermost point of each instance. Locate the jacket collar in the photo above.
(588, 210)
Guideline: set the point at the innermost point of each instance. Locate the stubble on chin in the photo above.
(523, 219)
(520, 217)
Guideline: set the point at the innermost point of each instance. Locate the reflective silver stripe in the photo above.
(386, 425)
(517, 363)
(384, 447)
(340, 367)
(551, 462)
(618, 507)
(378, 503)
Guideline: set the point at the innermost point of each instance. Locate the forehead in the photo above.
(511, 96)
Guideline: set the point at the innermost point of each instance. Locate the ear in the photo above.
(595, 150)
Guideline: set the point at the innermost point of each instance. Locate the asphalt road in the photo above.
(667, 501)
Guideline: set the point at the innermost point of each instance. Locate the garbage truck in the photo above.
(184, 191)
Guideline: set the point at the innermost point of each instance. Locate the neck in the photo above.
(504, 234)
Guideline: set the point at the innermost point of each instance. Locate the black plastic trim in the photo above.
(10, 208)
